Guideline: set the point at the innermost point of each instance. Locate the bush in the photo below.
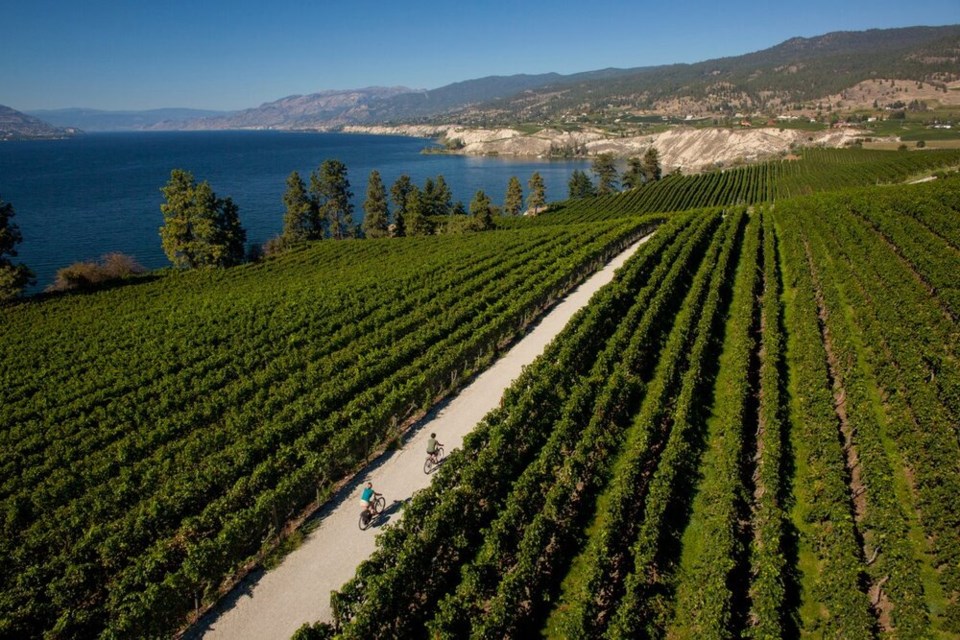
(87, 275)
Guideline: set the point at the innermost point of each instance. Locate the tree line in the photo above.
(201, 229)
(639, 171)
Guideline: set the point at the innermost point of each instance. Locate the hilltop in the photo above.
(15, 125)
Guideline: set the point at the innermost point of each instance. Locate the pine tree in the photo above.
(633, 177)
(580, 185)
(375, 211)
(331, 189)
(481, 210)
(301, 220)
(513, 201)
(443, 198)
(537, 199)
(606, 171)
(13, 278)
(416, 218)
(651, 165)
(400, 193)
(199, 228)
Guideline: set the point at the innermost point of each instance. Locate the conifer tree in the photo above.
(651, 165)
(13, 278)
(331, 189)
(606, 171)
(633, 177)
(443, 198)
(400, 193)
(482, 211)
(417, 222)
(513, 201)
(375, 211)
(301, 220)
(580, 185)
(199, 228)
(537, 199)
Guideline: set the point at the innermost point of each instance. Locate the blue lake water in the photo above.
(81, 198)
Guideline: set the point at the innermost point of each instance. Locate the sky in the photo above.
(236, 54)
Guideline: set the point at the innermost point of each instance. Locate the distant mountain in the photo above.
(773, 80)
(96, 120)
(15, 125)
(316, 111)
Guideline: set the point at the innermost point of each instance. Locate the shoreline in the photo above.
(684, 148)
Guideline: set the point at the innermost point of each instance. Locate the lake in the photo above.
(81, 198)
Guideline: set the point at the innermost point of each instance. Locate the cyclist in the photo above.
(367, 498)
(432, 446)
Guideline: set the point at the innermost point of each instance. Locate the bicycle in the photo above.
(374, 509)
(433, 460)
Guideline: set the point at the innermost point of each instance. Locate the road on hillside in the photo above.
(274, 604)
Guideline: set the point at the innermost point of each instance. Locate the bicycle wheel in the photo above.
(365, 518)
(379, 504)
(428, 465)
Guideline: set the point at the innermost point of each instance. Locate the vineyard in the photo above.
(753, 431)
(811, 171)
(156, 435)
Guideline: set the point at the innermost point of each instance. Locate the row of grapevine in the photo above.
(897, 348)
(650, 561)
(222, 416)
(713, 547)
(831, 557)
(812, 171)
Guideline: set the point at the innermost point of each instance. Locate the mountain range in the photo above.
(772, 81)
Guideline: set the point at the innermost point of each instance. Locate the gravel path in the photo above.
(276, 603)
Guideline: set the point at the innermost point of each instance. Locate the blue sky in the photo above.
(218, 54)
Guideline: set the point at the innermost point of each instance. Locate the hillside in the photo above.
(790, 77)
(795, 76)
(15, 125)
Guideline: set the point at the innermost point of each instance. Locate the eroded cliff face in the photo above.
(687, 148)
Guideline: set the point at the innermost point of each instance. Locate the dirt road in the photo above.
(276, 603)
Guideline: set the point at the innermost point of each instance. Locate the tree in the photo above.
(537, 199)
(459, 209)
(580, 185)
(633, 177)
(400, 194)
(480, 209)
(13, 277)
(651, 165)
(443, 200)
(302, 219)
(416, 218)
(513, 202)
(606, 171)
(435, 198)
(375, 211)
(331, 189)
(199, 228)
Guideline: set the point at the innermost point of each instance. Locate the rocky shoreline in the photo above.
(689, 149)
